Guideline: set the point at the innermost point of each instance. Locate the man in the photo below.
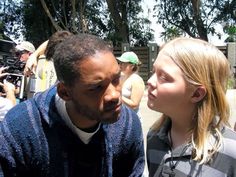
(7, 94)
(41, 63)
(80, 127)
(24, 50)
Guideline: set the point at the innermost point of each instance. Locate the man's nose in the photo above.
(113, 93)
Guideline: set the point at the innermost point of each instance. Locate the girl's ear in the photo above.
(63, 91)
(198, 94)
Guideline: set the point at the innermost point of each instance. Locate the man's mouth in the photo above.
(113, 107)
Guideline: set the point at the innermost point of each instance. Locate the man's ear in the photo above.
(63, 91)
(198, 94)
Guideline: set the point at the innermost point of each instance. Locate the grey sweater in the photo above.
(162, 161)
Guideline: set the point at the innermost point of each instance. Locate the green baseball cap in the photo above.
(129, 57)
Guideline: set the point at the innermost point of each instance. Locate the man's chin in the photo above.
(112, 118)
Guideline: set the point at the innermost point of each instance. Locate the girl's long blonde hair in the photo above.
(203, 64)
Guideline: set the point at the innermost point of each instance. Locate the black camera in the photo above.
(14, 65)
(15, 69)
(17, 80)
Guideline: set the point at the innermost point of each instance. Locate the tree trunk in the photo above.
(121, 26)
(202, 31)
(73, 16)
(55, 25)
(82, 20)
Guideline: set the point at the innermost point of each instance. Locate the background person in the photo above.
(24, 50)
(46, 50)
(40, 62)
(192, 137)
(133, 85)
(78, 128)
(7, 95)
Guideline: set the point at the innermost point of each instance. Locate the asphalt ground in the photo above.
(148, 117)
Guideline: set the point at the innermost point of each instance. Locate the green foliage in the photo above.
(1, 30)
(195, 18)
(37, 27)
(227, 11)
(125, 24)
(230, 30)
(231, 83)
(10, 18)
(139, 29)
(30, 19)
(97, 24)
(171, 33)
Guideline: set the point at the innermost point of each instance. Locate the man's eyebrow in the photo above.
(97, 82)
(93, 85)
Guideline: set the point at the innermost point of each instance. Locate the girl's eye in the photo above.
(162, 77)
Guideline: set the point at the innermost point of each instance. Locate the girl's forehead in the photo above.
(163, 59)
(164, 62)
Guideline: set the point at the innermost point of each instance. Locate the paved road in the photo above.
(149, 116)
(231, 95)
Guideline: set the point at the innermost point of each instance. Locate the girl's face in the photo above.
(167, 89)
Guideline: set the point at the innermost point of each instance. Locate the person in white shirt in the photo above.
(133, 85)
(7, 98)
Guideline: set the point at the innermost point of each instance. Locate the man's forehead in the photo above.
(97, 68)
(98, 76)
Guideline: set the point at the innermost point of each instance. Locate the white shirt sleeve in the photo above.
(5, 106)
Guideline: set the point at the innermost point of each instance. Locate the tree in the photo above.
(36, 24)
(228, 19)
(171, 33)
(121, 25)
(115, 20)
(230, 30)
(227, 11)
(10, 21)
(128, 26)
(196, 18)
(118, 21)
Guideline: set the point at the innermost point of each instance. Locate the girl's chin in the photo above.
(150, 105)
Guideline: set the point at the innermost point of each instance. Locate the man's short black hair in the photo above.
(72, 51)
(54, 40)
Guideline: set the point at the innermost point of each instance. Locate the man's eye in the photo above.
(116, 81)
(96, 88)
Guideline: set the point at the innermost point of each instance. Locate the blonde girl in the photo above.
(192, 137)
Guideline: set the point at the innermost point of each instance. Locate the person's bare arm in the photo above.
(137, 92)
(9, 90)
(31, 64)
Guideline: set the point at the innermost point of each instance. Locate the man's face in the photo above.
(23, 55)
(96, 95)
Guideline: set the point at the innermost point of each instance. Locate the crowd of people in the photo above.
(83, 116)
